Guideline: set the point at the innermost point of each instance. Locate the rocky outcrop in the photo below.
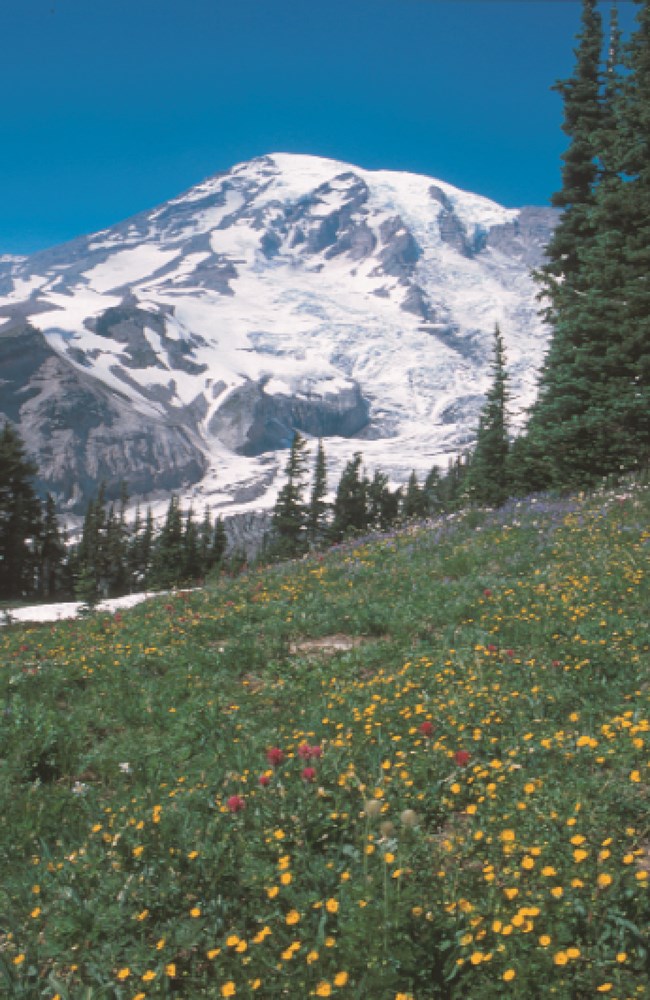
(81, 434)
(254, 418)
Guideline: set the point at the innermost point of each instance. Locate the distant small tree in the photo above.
(487, 477)
(20, 517)
(52, 553)
(414, 503)
(382, 502)
(290, 513)
(317, 527)
(219, 543)
(351, 502)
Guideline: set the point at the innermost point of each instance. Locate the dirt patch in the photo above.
(329, 645)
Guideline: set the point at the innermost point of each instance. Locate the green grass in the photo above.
(473, 824)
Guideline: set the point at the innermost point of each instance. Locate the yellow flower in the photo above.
(195, 912)
(19, 959)
(332, 906)
(527, 862)
(123, 973)
(341, 978)
(580, 855)
(557, 892)
(560, 958)
(389, 858)
(286, 878)
(604, 988)
(232, 940)
(573, 952)
(148, 976)
(508, 975)
(635, 776)
(544, 940)
(170, 970)
(312, 956)
(476, 957)
(213, 953)
(604, 880)
(548, 871)
(272, 891)
(323, 989)
(228, 989)
(292, 917)
(507, 836)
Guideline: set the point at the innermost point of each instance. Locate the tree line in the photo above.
(112, 556)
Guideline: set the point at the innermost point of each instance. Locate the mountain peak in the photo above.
(290, 292)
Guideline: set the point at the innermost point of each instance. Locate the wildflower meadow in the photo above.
(414, 766)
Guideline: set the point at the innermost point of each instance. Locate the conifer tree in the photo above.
(318, 506)
(487, 476)
(351, 502)
(52, 553)
(220, 543)
(383, 504)
(289, 519)
(414, 503)
(20, 517)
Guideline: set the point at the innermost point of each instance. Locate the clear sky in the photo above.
(113, 106)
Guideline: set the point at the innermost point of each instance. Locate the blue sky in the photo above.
(113, 106)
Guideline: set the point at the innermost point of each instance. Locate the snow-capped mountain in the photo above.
(181, 348)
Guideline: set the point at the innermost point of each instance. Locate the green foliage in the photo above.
(290, 513)
(20, 518)
(592, 417)
(416, 766)
(487, 478)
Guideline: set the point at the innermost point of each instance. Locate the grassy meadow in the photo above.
(415, 766)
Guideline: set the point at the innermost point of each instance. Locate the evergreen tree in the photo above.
(220, 543)
(167, 560)
(487, 477)
(414, 503)
(52, 553)
(20, 517)
(351, 502)
(382, 503)
(317, 527)
(592, 415)
(193, 567)
(289, 519)
(432, 491)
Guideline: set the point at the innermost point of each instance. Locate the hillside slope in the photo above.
(416, 766)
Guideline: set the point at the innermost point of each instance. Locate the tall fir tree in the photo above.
(289, 518)
(565, 430)
(487, 476)
(52, 553)
(317, 527)
(20, 517)
(351, 501)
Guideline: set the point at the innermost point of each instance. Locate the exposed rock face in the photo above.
(82, 434)
(189, 343)
(253, 420)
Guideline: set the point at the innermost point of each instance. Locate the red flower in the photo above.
(264, 780)
(462, 757)
(307, 752)
(235, 804)
(487, 592)
(316, 752)
(426, 728)
(510, 653)
(492, 648)
(308, 774)
(275, 756)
